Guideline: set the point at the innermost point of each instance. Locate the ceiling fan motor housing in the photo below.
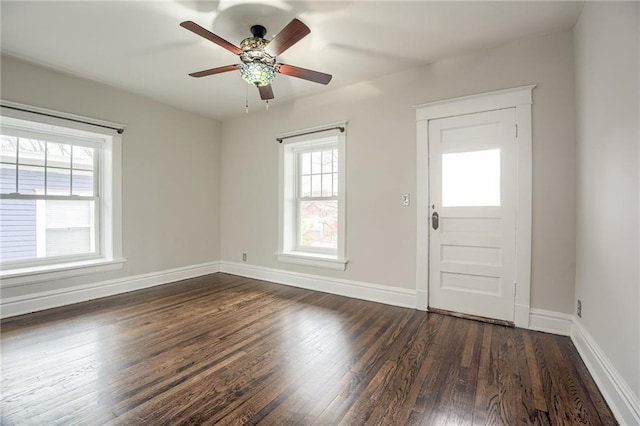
(253, 47)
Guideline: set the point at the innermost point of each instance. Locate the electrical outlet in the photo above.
(404, 200)
(244, 257)
(579, 309)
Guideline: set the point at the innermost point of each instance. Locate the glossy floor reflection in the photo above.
(222, 349)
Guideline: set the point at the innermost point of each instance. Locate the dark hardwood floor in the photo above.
(230, 350)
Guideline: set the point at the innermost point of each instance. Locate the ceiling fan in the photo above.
(258, 56)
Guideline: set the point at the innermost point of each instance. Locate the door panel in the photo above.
(472, 175)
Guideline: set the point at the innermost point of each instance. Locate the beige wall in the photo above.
(608, 113)
(170, 170)
(381, 165)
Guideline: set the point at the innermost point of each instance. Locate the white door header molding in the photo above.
(500, 99)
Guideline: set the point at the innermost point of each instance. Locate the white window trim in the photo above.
(111, 255)
(287, 245)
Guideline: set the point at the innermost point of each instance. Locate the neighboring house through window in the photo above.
(312, 194)
(59, 198)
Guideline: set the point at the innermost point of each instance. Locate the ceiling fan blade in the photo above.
(293, 71)
(217, 70)
(290, 35)
(202, 32)
(266, 92)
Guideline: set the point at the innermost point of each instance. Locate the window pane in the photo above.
(58, 155)
(31, 151)
(316, 185)
(318, 224)
(30, 180)
(68, 213)
(327, 161)
(7, 178)
(33, 229)
(305, 163)
(8, 148)
(83, 157)
(17, 230)
(471, 178)
(316, 162)
(82, 183)
(335, 160)
(327, 182)
(69, 227)
(335, 184)
(58, 181)
(68, 241)
(305, 186)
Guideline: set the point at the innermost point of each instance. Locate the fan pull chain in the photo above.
(267, 105)
(246, 102)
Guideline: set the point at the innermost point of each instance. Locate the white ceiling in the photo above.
(139, 45)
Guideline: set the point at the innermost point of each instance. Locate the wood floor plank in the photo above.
(228, 350)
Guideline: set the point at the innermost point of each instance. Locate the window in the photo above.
(317, 199)
(471, 178)
(59, 206)
(312, 225)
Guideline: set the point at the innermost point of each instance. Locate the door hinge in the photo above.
(516, 130)
(515, 288)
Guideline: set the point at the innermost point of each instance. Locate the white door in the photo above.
(472, 175)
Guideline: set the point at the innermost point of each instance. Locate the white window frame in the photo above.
(108, 255)
(289, 250)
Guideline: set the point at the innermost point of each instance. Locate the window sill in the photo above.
(317, 260)
(35, 274)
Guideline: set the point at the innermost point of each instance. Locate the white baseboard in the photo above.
(422, 300)
(521, 316)
(550, 321)
(621, 399)
(356, 289)
(54, 298)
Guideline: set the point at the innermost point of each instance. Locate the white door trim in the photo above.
(521, 99)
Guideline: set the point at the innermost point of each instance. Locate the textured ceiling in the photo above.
(139, 45)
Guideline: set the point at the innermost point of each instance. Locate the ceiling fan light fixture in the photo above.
(257, 74)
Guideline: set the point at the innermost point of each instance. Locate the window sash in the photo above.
(300, 247)
(50, 260)
(299, 199)
(72, 140)
(46, 167)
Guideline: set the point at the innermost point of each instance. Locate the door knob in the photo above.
(434, 220)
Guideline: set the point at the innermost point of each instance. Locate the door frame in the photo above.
(521, 99)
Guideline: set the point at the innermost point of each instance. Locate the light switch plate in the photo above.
(404, 200)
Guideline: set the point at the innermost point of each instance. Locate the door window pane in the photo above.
(471, 178)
